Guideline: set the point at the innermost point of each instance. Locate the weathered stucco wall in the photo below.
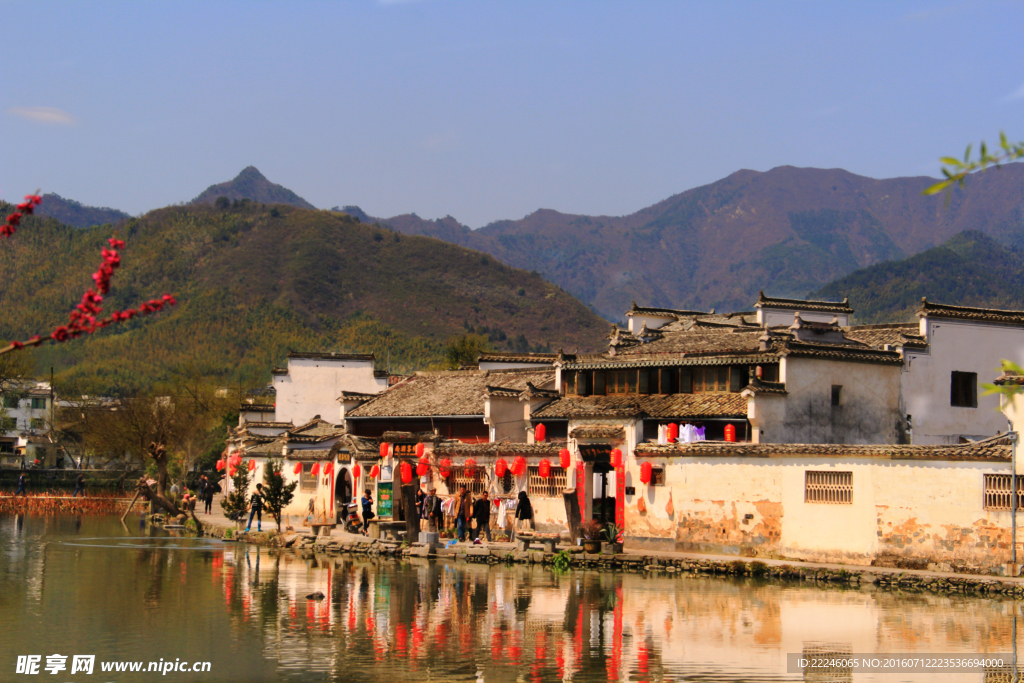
(904, 512)
(868, 413)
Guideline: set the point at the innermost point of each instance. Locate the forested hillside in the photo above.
(254, 281)
(971, 269)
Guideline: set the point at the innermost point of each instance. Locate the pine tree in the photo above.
(276, 494)
(235, 503)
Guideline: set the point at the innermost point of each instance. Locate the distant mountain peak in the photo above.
(76, 214)
(253, 185)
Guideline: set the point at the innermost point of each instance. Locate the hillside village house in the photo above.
(25, 426)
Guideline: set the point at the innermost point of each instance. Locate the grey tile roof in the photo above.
(803, 305)
(994, 449)
(496, 357)
(459, 393)
(894, 334)
(330, 356)
(669, 406)
(450, 449)
(598, 432)
(933, 310)
(761, 387)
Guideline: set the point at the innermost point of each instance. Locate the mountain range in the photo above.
(255, 280)
(969, 269)
(787, 231)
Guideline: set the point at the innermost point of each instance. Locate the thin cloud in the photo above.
(49, 115)
(1017, 94)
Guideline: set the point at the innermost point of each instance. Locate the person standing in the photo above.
(463, 512)
(482, 515)
(420, 497)
(208, 498)
(201, 487)
(256, 509)
(367, 503)
(79, 486)
(21, 485)
(432, 512)
(524, 513)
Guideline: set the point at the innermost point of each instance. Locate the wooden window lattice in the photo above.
(997, 491)
(475, 483)
(307, 481)
(551, 487)
(832, 488)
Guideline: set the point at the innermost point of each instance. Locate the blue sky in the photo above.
(491, 110)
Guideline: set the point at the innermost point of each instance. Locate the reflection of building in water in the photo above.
(527, 621)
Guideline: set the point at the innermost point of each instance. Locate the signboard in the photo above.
(384, 499)
(403, 450)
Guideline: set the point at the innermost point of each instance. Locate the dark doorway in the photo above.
(604, 493)
(342, 493)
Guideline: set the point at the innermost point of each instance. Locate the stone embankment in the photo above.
(863, 578)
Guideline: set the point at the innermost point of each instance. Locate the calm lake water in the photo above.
(90, 586)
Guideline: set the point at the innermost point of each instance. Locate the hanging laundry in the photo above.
(699, 433)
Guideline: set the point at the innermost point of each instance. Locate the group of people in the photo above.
(472, 517)
(203, 493)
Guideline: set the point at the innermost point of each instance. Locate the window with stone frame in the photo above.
(997, 491)
(37, 423)
(307, 480)
(963, 389)
(8, 424)
(39, 404)
(830, 488)
(538, 486)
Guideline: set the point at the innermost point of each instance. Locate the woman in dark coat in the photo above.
(524, 513)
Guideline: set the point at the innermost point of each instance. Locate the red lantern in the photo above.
(384, 450)
(356, 471)
(406, 470)
(252, 465)
(673, 432)
(374, 472)
(421, 449)
(518, 465)
(544, 468)
(470, 465)
(231, 471)
(316, 469)
(236, 459)
(328, 468)
(539, 433)
(422, 469)
(616, 458)
(730, 432)
(298, 468)
(500, 467)
(563, 458)
(645, 473)
(221, 464)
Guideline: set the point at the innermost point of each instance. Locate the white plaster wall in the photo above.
(312, 387)
(771, 317)
(964, 347)
(869, 412)
(636, 322)
(508, 418)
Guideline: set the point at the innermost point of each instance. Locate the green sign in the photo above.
(384, 499)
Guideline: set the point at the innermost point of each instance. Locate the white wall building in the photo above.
(25, 426)
(312, 383)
